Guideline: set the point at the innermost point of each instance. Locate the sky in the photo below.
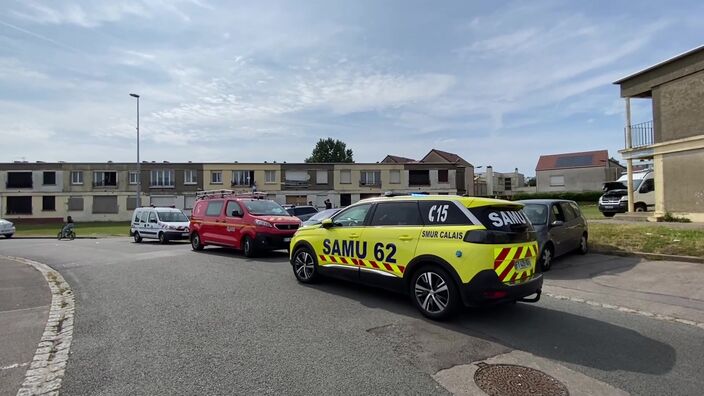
(499, 83)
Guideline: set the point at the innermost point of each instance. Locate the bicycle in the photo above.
(67, 233)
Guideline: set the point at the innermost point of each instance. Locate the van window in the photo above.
(647, 186)
(233, 209)
(152, 217)
(143, 217)
(397, 214)
(137, 217)
(214, 208)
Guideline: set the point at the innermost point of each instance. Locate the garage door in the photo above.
(296, 199)
(163, 200)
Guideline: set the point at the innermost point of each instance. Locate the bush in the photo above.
(587, 196)
(670, 218)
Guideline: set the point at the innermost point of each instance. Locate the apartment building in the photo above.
(107, 191)
(491, 183)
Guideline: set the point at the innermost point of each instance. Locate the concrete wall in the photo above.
(678, 108)
(259, 176)
(356, 170)
(577, 179)
(683, 181)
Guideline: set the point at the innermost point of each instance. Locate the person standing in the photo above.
(328, 204)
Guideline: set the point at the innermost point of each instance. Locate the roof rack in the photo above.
(210, 194)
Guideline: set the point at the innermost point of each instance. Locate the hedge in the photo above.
(587, 196)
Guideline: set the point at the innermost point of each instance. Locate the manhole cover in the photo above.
(512, 380)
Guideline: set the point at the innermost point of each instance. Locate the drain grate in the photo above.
(513, 380)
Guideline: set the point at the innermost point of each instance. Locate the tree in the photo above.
(330, 150)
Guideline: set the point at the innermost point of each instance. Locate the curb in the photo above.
(50, 237)
(44, 375)
(650, 256)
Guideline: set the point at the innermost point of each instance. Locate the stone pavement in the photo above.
(669, 290)
(24, 308)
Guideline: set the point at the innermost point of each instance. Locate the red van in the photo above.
(246, 222)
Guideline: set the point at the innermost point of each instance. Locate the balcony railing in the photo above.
(296, 184)
(641, 135)
(102, 184)
(370, 183)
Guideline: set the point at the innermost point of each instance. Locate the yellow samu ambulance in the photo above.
(443, 250)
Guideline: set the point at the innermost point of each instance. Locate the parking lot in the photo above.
(161, 319)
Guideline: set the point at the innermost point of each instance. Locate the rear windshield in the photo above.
(261, 207)
(502, 218)
(172, 217)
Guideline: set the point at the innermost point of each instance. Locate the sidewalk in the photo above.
(24, 308)
(667, 288)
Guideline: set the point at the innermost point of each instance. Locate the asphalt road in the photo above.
(154, 319)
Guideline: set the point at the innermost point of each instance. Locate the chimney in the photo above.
(489, 180)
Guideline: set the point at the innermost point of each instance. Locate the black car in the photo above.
(302, 212)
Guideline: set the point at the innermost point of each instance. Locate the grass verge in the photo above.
(95, 229)
(646, 239)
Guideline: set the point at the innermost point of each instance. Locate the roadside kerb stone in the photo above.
(44, 374)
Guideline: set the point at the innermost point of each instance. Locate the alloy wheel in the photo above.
(303, 265)
(547, 260)
(432, 293)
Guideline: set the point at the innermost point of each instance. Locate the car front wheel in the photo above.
(434, 293)
(546, 257)
(196, 244)
(248, 247)
(583, 244)
(305, 266)
(137, 237)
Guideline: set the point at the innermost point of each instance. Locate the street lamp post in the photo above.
(138, 202)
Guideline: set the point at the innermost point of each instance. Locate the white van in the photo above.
(164, 224)
(615, 199)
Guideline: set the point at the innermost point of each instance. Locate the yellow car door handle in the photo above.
(354, 235)
(405, 238)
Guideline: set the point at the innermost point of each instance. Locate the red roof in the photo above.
(396, 159)
(585, 159)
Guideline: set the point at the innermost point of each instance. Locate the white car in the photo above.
(7, 229)
(164, 224)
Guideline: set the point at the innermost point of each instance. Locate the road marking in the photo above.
(14, 366)
(46, 371)
(612, 307)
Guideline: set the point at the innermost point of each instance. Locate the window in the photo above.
(507, 184)
(134, 177)
(397, 214)
(49, 178)
(443, 213)
(418, 178)
(647, 186)
(352, 217)
(370, 178)
(214, 208)
(443, 176)
(233, 209)
(216, 177)
(19, 180)
(346, 176)
(131, 203)
(19, 205)
(576, 209)
(105, 204)
(152, 217)
(304, 210)
(75, 204)
(568, 211)
(536, 213)
(270, 176)
(188, 202)
(171, 216)
(557, 181)
(48, 203)
(321, 177)
(190, 176)
(77, 177)
(556, 213)
(242, 178)
(162, 178)
(144, 217)
(395, 176)
(105, 179)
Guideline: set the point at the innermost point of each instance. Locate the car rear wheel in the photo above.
(195, 242)
(546, 257)
(137, 237)
(162, 238)
(583, 244)
(305, 266)
(434, 293)
(248, 247)
(640, 207)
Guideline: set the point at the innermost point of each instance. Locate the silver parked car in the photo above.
(560, 228)
(7, 229)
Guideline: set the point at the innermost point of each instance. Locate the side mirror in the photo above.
(236, 213)
(327, 223)
(153, 221)
(557, 223)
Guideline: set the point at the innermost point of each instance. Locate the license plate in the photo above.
(287, 239)
(609, 207)
(522, 264)
(184, 234)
